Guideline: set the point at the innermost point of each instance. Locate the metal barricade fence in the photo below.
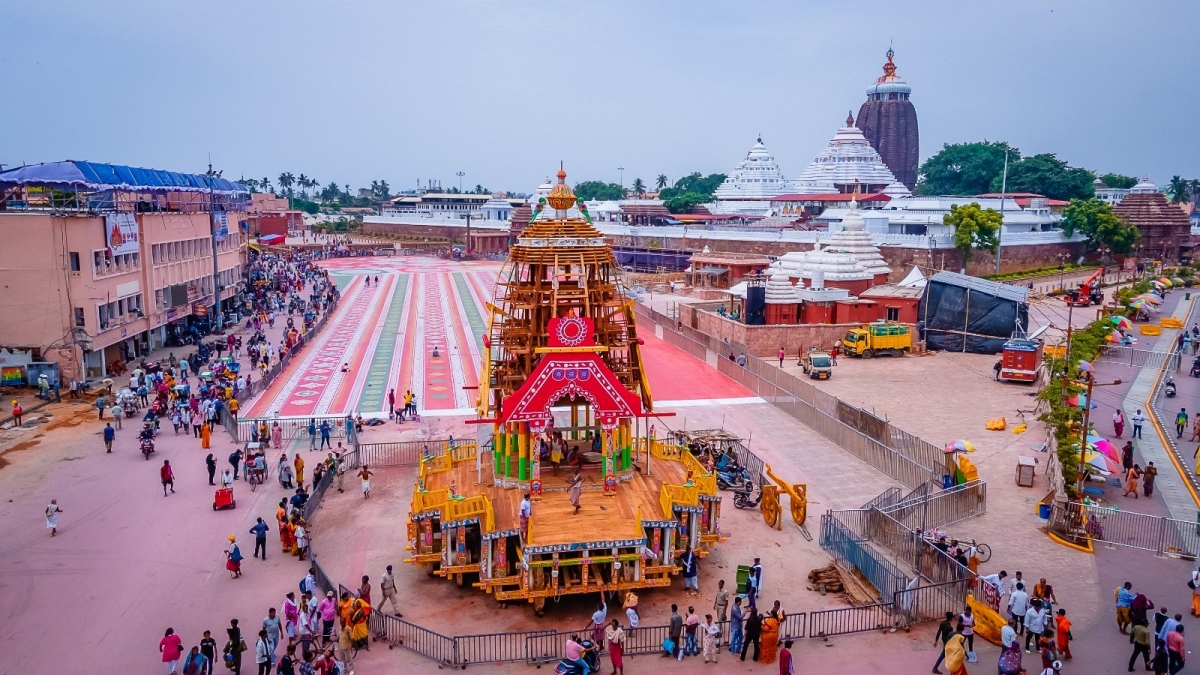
(829, 622)
(292, 427)
(421, 641)
(932, 602)
(495, 647)
(886, 498)
(938, 508)
(848, 550)
(1157, 534)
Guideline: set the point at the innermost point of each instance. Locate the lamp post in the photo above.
(622, 170)
(460, 175)
(1062, 269)
(1003, 190)
(1087, 410)
(212, 229)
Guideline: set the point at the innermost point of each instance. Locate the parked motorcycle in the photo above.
(744, 497)
(1169, 388)
(732, 478)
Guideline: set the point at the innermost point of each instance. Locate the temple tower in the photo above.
(889, 121)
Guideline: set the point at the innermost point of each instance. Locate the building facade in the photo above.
(1165, 227)
(109, 276)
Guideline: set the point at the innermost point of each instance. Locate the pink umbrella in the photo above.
(1104, 446)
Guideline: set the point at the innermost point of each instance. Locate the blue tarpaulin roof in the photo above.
(97, 176)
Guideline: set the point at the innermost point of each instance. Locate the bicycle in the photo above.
(982, 551)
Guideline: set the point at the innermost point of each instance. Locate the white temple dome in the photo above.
(1144, 187)
(780, 290)
(757, 177)
(848, 160)
(897, 190)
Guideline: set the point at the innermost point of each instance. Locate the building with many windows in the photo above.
(105, 262)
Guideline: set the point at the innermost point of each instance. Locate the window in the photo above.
(893, 313)
(73, 257)
(79, 319)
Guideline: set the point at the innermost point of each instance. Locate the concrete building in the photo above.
(105, 260)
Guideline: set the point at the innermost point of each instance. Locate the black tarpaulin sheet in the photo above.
(952, 313)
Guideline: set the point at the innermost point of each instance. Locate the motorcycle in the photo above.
(1196, 368)
(589, 661)
(744, 498)
(732, 478)
(1169, 389)
(147, 447)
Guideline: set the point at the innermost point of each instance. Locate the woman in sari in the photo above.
(205, 437)
(769, 638)
(281, 521)
(956, 652)
(276, 435)
(1010, 652)
(359, 612)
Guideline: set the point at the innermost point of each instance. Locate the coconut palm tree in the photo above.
(1180, 189)
(302, 183)
(286, 181)
(661, 182)
(250, 183)
(639, 188)
(265, 185)
(1194, 188)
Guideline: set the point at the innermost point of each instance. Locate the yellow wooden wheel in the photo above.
(770, 505)
(800, 503)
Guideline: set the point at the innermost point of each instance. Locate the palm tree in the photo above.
(265, 184)
(302, 182)
(286, 181)
(331, 192)
(250, 183)
(1180, 190)
(1194, 188)
(661, 182)
(639, 188)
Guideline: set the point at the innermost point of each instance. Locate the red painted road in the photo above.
(676, 375)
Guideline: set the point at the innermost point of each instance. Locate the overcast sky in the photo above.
(355, 91)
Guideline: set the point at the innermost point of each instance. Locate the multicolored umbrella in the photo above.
(1176, 281)
(1080, 400)
(1165, 282)
(1085, 367)
(1121, 322)
(1101, 463)
(1104, 447)
(1114, 337)
(1150, 298)
(959, 445)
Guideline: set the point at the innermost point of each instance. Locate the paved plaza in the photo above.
(128, 563)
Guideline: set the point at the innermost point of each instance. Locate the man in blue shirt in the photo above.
(109, 434)
(1124, 599)
(690, 581)
(260, 538)
(325, 434)
(312, 434)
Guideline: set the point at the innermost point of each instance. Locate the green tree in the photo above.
(639, 188)
(331, 192)
(1095, 220)
(302, 183)
(480, 190)
(694, 183)
(1046, 174)
(683, 203)
(964, 168)
(1119, 181)
(1194, 186)
(286, 181)
(661, 181)
(265, 184)
(975, 228)
(1180, 189)
(250, 183)
(590, 190)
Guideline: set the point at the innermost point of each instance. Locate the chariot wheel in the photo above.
(770, 506)
(800, 505)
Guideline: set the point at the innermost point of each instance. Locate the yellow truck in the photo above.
(878, 338)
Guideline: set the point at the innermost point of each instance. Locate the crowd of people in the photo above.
(308, 634)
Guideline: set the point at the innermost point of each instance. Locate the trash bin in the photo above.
(1044, 511)
(947, 481)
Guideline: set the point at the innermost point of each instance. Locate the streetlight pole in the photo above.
(460, 175)
(1000, 232)
(622, 170)
(212, 229)
(468, 247)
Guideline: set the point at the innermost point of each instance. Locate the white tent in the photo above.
(914, 279)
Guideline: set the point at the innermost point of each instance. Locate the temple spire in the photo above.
(850, 119)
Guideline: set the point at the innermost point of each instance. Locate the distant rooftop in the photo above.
(95, 176)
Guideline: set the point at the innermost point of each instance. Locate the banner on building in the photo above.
(121, 233)
(221, 225)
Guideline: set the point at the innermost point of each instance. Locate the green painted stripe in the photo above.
(375, 392)
(340, 280)
(474, 318)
